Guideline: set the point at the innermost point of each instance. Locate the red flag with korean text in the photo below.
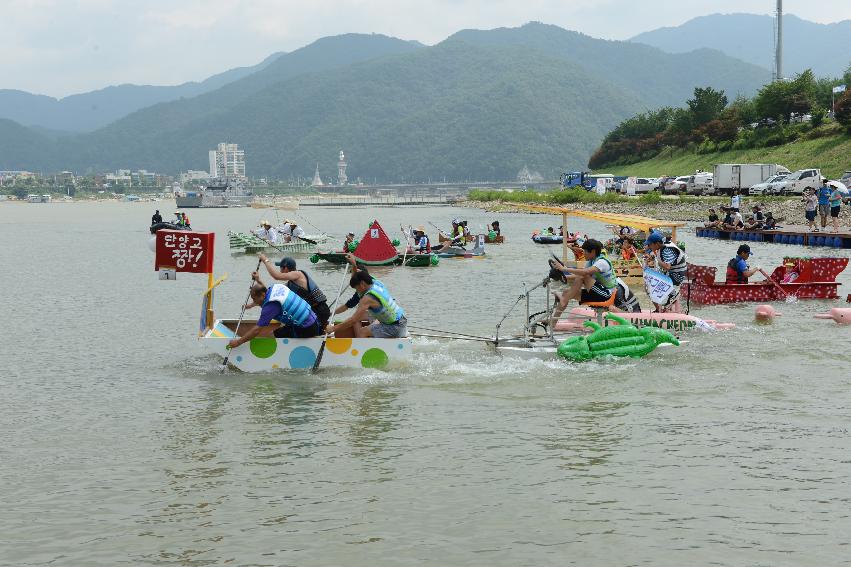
(185, 251)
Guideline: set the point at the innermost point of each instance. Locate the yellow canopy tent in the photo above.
(633, 221)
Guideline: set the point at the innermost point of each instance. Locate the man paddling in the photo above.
(372, 300)
(283, 314)
(300, 282)
(157, 218)
(738, 271)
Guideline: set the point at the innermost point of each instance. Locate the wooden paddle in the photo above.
(241, 315)
(321, 352)
(787, 296)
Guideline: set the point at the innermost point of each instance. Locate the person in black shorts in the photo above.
(595, 283)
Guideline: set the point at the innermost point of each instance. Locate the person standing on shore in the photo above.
(810, 201)
(835, 207)
(823, 202)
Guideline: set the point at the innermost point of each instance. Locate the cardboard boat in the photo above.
(816, 279)
(470, 238)
(244, 243)
(667, 321)
(264, 354)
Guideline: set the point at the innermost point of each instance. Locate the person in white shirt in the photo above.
(296, 232)
(266, 232)
(285, 230)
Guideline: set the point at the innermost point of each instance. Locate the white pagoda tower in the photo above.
(317, 181)
(341, 170)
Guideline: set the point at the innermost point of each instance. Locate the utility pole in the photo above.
(778, 43)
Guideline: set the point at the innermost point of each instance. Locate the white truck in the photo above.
(796, 182)
(730, 177)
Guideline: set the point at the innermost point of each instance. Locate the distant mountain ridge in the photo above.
(88, 111)
(479, 105)
(825, 48)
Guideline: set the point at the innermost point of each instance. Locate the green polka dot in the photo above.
(374, 358)
(263, 347)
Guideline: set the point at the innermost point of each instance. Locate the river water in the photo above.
(123, 444)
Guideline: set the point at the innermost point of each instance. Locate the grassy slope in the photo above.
(832, 154)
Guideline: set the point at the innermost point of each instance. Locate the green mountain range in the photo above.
(824, 48)
(479, 105)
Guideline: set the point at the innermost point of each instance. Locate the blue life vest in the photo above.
(389, 312)
(294, 310)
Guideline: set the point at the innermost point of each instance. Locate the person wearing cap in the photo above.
(157, 218)
(283, 314)
(421, 241)
(266, 232)
(790, 273)
(738, 271)
(669, 259)
(823, 195)
(299, 282)
(285, 230)
(296, 232)
(179, 218)
(350, 239)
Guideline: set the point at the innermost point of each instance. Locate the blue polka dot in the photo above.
(239, 358)
(302, 357)
(286, 341)
(401, 346)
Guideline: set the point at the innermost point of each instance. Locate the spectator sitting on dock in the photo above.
(713, 221)
(770, 223)
(752, 224)
(757, 213)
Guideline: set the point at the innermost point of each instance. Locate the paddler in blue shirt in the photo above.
(372, 300)
(283, 314)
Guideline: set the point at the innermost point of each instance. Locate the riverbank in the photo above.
(686, 209)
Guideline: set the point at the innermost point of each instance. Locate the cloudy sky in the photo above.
(60, 47)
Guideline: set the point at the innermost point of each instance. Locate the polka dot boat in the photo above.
(269, 354)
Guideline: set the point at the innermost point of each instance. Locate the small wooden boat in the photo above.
(816, 279)
(244, 243)
(442, 238)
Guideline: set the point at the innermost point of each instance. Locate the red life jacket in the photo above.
(733, 275)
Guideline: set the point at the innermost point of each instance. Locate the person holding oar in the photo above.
(283, 314)
(738, 270)
(299, 282)
(371, 300)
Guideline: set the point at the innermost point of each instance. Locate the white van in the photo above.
(700, 184)
(796, 182)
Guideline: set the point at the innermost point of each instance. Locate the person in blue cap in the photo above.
(738, 271)
(669, 259)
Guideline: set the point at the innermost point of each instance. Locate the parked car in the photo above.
(642, 185)
(797, 181)
(700, 184)
(676, 185)
(768, 187)
(664, 181)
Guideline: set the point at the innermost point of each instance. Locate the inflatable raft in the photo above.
(577, 317)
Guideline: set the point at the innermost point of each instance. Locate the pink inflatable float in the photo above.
(841, 315)
(667, 321)
(766, 313)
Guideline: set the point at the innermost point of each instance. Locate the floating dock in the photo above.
(795, 234)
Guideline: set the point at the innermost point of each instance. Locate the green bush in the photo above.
(650, 198)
